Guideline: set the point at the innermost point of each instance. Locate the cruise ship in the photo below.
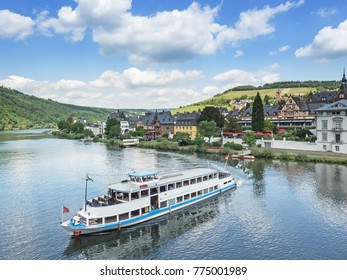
(146, 195)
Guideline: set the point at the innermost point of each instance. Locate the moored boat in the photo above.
(146, 195)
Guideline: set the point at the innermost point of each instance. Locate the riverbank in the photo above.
(267, 153)
(299, 155)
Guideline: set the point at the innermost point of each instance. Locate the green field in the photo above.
(223, 99)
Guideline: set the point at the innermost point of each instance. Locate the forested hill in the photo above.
(319, 85)
(21, 111)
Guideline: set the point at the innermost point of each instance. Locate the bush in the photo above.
(301, 157)
(233, 146)
(284, 156)
(217, 143)
(266, 153)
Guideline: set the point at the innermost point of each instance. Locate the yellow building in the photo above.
(187, 123)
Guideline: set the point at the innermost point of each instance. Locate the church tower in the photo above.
(342, 92)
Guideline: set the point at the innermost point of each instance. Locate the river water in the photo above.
(280, 210)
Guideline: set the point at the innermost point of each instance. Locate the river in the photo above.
(280, 210)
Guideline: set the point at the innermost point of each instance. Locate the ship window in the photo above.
(126, 196)
(154, 191)
(199, 180)
(193, 181)
(144, 193)
(186, 196)
(205, 178)
(135, 195)
(111, 219)
(145, 210)
(163, 204)
(95, 221)
(200, 192)
(172, 201)
(215, 187)
(186, 183)
(210, 189)
(179, 199)
(205, 190)
(215, 175)
(123, 216)
(163, 188)
(178, 184)
(210, 177)
(138, 179)
(193, 194)
(135, 213)
(171, 187)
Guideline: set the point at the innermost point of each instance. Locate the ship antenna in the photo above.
(87, 178)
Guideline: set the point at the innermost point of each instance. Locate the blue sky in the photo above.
(165, 53)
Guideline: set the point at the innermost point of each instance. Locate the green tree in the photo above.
(77, 128)
(231, 125)
(199, 141)
(258, 114)
(207, 129)
(268, 125)
(63, 125)
(112, 129)
(210, 113)
(249, 139)
(181, 136)
(88, 133)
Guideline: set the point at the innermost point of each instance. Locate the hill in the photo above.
(21, 111)
(249, 92)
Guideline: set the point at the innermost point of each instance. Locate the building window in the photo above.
(324, 136)
(337, 138)
(324, 147)
(337, 148)
(324, 124)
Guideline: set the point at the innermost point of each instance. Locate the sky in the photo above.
(166, 53)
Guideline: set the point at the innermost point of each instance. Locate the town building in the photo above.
(157, 124)
(98, 128)
(187, 123)
(332, 127)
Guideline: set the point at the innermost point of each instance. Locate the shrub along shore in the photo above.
(233, 149)
(266, 153)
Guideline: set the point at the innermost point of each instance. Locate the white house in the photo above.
(124, 127)
(332, 127)
(97, 128)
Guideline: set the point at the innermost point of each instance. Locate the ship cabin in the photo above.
(143, 177)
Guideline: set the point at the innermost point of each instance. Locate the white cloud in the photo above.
(237, 77)
(15, 26)
(327, 12)
(112, 89)
(328, 44)
(167, 36)
(238, 53)
(280, 49)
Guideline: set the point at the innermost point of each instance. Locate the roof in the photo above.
(142, 173)
(165, 179)
(336, 106)
(326, 96)
(165, 118)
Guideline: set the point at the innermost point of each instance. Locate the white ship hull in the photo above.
(149, 201)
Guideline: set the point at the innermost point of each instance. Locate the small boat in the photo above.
(243, 157)
(144, 196)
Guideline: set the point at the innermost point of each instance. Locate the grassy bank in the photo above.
(283, 155)
(301, 156)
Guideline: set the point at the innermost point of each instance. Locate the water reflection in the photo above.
(145, 240)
